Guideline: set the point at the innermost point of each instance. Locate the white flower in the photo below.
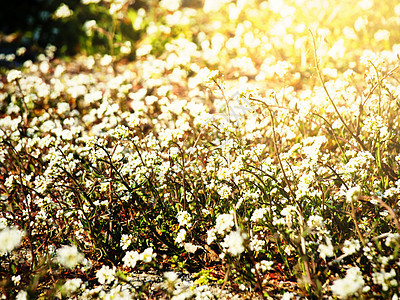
(181, 236)
(10, 238)
(3, 223)
(224, 223)
(289, 249)
(392, 239)
(326, 250)
(190, 248)
(69, 256)
(213, 5)
(130, 259)
(351, 247)
(353, 193)
(382, 35)
(207, 76)
(184, 218)
(211, 236)
(264, 265)
(203, 293)
(170, 5)
(234, 242)
(13, 75)
(171, 276)
(89, 26)
(315, 221)
(147, 255)
(106, 60)
(71, 286)
(16, 279)
(348, 286)
(256, 244)
(105, 275)
(22, 295)
(170, 280)
(225, 191)
(62, 11)
(126, 240)
(118, 293)
(258, 214)
(287, 296)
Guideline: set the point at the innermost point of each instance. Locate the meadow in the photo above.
(250, 146)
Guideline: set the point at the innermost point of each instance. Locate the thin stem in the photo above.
(223, 96)
(353, 216)
(228, 271)
(390, 72)
(330, 98)
(292, 194)
(259, 282)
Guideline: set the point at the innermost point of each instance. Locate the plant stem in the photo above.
(330, 98)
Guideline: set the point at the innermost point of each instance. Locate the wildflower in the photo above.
(170, 279)
(258, 214)
(147, 255)
(181, 236)
(89, 26)
(69, 256)
(22, 295)
(105, 275)
(126, 240)
(264, 265)
(130, 259)
(71, 286)
(256, 244)
(392, 239)
(382, 35)
(224, 223)
(211, 236)
(171, 5)
(16, 279)
(13, 75)
(21, 51)
(287, 296)
(353, 193)
(287, 213)
(351, 247)
(106, 60)
(10, 238)
(207, 76)
(62, 12)
(326, 250)
(289, 249)
(118, 293)
(213, 6)
(234, 242)
(282, 68)
(126, 47)
(349, 285)
(3, 222)
(144, 50)
(184, 218)
(203, 293)
(225, 191)
(384, 279)
(315, 221)
(190, 248)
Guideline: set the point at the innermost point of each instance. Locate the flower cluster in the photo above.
(217, 146)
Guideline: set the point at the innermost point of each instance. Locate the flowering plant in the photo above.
(258, 160)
